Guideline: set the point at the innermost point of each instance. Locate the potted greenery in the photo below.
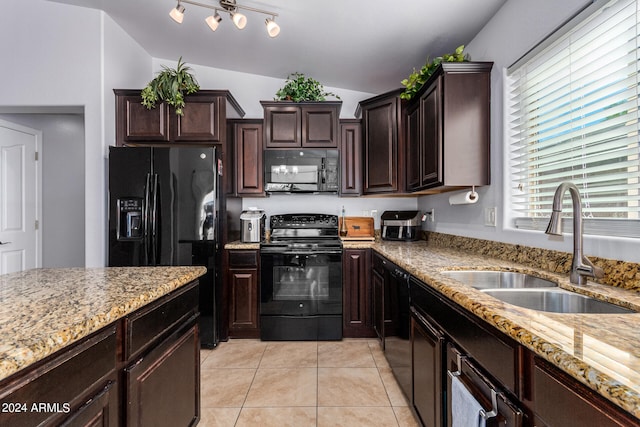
(418, 78)
(170, 86)
(299, 88)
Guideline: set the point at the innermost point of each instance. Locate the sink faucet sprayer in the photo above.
(581, 266)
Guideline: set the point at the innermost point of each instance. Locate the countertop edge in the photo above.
(22, 356)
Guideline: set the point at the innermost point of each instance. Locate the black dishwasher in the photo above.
(397, 325)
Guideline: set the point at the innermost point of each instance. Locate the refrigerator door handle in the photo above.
(146, 219)
(154, 221)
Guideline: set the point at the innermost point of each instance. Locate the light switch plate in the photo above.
(490, 217)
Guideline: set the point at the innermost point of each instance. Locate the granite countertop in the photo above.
(600, 350)
(347, 244)
(238, 245)
(44, 310)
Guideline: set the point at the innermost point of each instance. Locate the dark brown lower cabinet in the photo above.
(357, 294)
(154, 350)
(62, 389)
(98, 410)
(163, 387)
(524, 389)
(242, 277)
(560, 400)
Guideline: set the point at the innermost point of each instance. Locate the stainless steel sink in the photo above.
(554, 300)
(481, 279)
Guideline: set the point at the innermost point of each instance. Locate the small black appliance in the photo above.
(401, 225)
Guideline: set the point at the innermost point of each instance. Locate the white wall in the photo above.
(63, 194)
(329, 204)
(56, 55)
(516, 28)
(52, 58)
(250, 89)
(125, 66)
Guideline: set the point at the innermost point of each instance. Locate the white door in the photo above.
(20, 245)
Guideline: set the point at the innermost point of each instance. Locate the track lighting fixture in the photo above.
(213, 21)
(230, 7)
(273, 29)
(177, 13)
(239, 19)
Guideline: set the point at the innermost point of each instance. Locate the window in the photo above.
(573, 116)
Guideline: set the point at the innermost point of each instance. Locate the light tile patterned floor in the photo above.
(301, 384)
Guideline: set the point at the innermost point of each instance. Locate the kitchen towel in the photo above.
(465, 409)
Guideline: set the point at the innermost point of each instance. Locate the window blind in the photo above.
(573, 116)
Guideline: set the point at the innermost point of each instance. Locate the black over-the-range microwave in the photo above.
(301, 171)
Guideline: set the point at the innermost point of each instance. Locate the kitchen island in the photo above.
(88, 344)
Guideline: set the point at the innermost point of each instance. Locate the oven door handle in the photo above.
(328, 252)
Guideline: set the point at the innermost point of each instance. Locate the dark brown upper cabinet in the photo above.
(204, 119)
(249, 165)
(447, 128)
(301, 124)
(350, 157)
(384, 168)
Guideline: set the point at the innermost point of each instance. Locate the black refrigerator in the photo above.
(163, 210)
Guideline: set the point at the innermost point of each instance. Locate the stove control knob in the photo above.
(301, 305)
(334, 220)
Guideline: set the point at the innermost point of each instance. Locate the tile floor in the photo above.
(302, 383)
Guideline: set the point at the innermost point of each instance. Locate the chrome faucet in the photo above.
(581, 266)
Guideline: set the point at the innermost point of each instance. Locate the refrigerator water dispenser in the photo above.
(130, 226)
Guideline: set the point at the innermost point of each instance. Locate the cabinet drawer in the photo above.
(243, 258)
(494, 354)
(156, 320)
(562, 401)
(81, 369)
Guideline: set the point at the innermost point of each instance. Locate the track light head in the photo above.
(177, 13)
(239, 19)
(213, 21)
(273, 29)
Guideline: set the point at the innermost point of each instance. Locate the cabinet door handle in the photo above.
(4, 243)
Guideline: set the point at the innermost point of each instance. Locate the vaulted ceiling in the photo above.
(362, 45)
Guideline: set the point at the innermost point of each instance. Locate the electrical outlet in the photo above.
(429, 216)
(490, 217)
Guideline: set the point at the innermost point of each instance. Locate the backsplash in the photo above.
(617, 273)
